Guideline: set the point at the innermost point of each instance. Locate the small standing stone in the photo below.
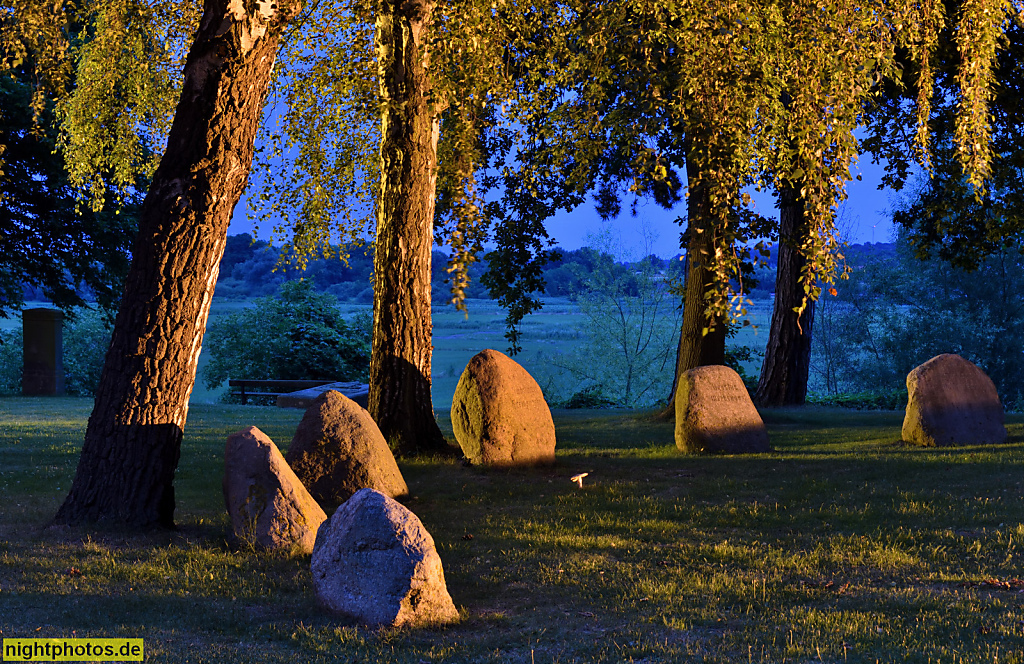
(952, 402)
(338, 450)
(499, 414)
(265, 500)
(375, 563)
(714, 413)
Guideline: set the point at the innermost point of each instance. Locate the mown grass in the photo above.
(841, 545)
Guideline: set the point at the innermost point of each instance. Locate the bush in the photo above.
(897, 311)
(298, 334)
(626, 353)
(590, 397)
(86, 340)
(868, 400)
(736, 357)
(10, 362)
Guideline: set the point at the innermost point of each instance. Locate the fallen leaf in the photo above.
(1003, 584)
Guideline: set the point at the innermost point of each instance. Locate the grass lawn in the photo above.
(842, 545)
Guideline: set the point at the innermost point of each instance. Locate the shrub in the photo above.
(86, 340)
(10, 362)
(631, 327)
(898, 311)
(894, 399)
(294, 335)
(590, 397)
(736, 357)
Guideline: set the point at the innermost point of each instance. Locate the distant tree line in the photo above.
(252, 268)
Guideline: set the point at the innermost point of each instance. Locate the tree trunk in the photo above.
(133, 439)
(400, 399)
(787, 357)
(695, 347)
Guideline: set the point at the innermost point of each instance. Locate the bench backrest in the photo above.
(282, 386)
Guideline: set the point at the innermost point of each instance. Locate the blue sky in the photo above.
(864, 219)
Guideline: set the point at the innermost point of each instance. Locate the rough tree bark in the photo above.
(695, 347)
(399, 399)
(787, 357)
(133, 439)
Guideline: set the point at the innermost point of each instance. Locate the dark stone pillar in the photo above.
(43, 372)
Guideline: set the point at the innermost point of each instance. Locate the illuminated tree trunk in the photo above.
(787, 358)
(400, 399)
(133, 439)
(695, 347)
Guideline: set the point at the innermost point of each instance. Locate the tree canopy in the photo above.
(781, 86)
(946, 214)
(629, 82)
(46, 242)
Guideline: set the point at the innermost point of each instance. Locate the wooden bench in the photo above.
(246, 388)
(354, 390)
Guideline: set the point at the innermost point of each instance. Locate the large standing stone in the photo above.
(338, 450)
(499, 414)
(714, 413)
(266, 501)
(376, 564)
(42, 352)
(952, 402)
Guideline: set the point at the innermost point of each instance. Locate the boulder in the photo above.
(266, 501)
(952, 402)
(714, 413)
(375, 563)
(499, 414)
(338, 450)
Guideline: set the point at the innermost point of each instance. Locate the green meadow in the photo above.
(553, 332)
(841, 545)
(457, 337)
(557, 329)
